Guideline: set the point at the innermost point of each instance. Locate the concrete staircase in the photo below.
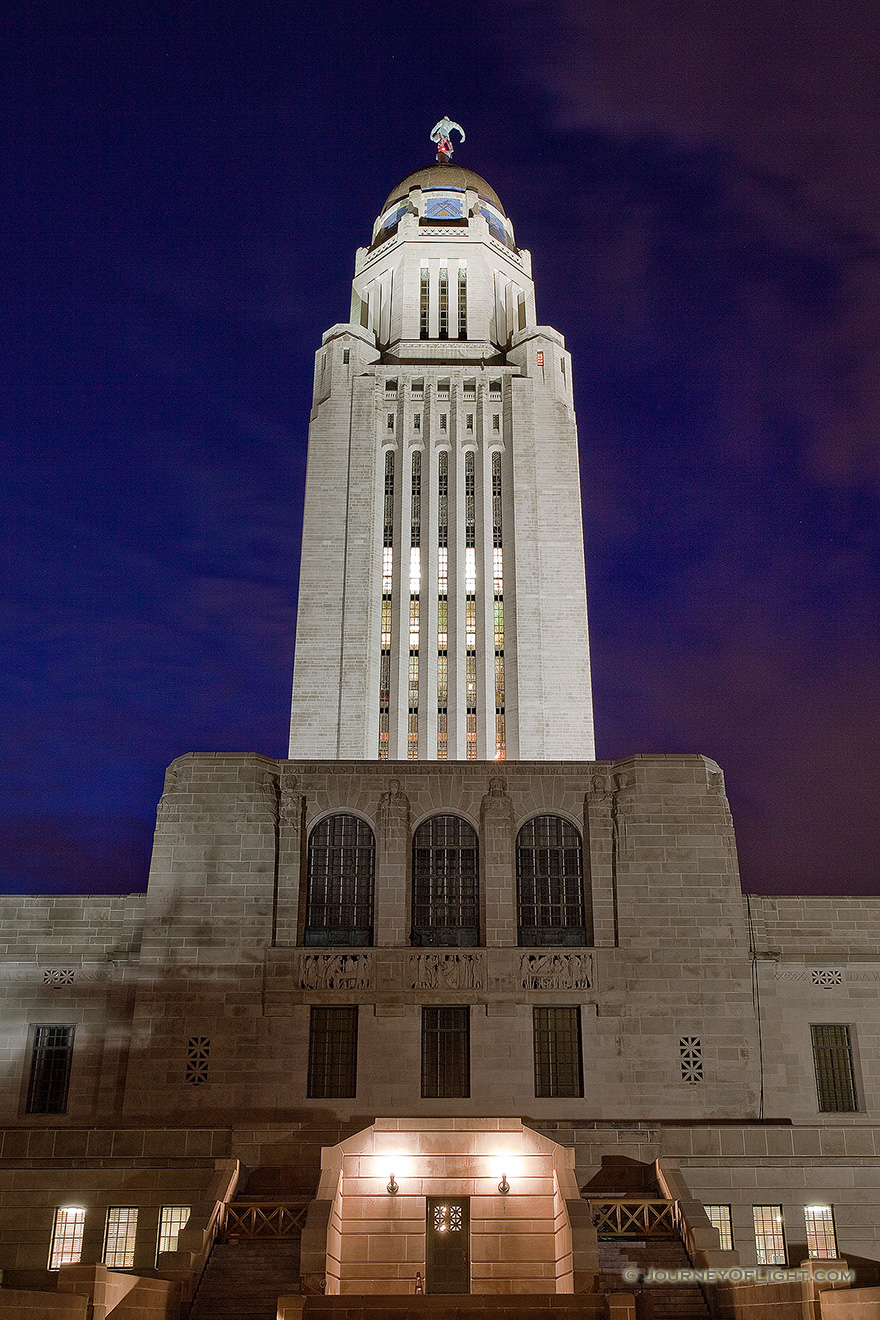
(662, 1301)
(243, 1280)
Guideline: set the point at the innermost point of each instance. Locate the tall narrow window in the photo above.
(333, 1053)
(442, 600)
(462, 302)
(444, 303)
(557, 1045)
(423, 303)
(387, 586)
(341, 864)
(719, 1217)
(498, 587)
(50, 1070)
(550, 883)
(412, 735)
(835, 1077)
(821, 1237)
(173, 1219)
(445, 883)
(446, 1062)
(67, 1236)
(119, 1237)
(470, 603)
(769, 1234)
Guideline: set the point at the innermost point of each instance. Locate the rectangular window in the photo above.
(387, 567)
(346, 356)
(557, 1042)
(423, 303)
(470, 568)
(50, 1070)
(415, 568)
(690, 1050)
(413, 620)
(540, 358)
(333, 1053)
(835, 1077)
(470, 622)
(389, 422)
(442, 570)
(67, 1236)
(499, 622)
(198, 1051)
(172, 1220)
(469, 422)
(386, 622)
(498, 568)
(462, 302)
(719, 1217)
(119, 1237)
(443, 421)
(769, 1235)
(417, 421)
(444, 303)
(442, 622)
(496, 422)
(821, 1237)
(446, 1055)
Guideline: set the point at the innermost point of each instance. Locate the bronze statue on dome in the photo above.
(441, 133)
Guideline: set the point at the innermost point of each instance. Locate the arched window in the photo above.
(339, 898)
(445, 884)
(550, 883)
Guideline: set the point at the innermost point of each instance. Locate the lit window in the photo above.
(498, 568)
(445, 885)
(821, 1237)
(444, 303)
(333, 1053)
(557, 1047)
(499, 623)
(471, 736)
(339, 894)
(442, 570)
(470, 568)
(499, 681)
(446, 1053)
(835, 1077)
(769, 1235)
(119, 1237)
(500, 738)
(413, 684)
(540, 358)
(51, 1059)
(173, 1219)
(412, 747)
(719, 1217)
(413, 620)
(415, 568)
(386, 622)
(470, 622)
(442, 680)
(442, 616)
(67, 1236)
(550, 883)
(423, 303)
(387, 568)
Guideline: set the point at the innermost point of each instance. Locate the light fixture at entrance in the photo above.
(393, 1188)
(504, 1185)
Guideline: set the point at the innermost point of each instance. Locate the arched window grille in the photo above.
(550, 883)
(339, 899)
(445, 883)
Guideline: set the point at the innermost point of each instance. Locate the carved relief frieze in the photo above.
(446, 971)
(335, 971)
(557, 971)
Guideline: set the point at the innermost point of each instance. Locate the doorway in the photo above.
(448, 1243)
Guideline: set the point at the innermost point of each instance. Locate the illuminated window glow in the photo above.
(470, 568)
(462, 302)
(413, 620)
(119, 1237)
(719, 1217)
(172, 1220)
(821, 1237)
(423, 303)
(769, 1235)
(442, 570)
(470, 622)
(442, 613)
(386, 622)
(415, 568)
(67, 1236)
(498, 568)
(444, 303)
(387, 568)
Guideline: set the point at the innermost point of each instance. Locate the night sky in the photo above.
(184, 188)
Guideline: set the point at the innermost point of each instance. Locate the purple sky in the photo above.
(185, 186)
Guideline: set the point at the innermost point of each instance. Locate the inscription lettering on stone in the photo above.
(557, 971)
(446, 971)
(335, 971)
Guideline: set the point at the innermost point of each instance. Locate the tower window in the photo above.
(557, 1045)
(423, 303)
(445, 883)
(417, 421)
(333, 1053)
(550, 883)
(496, 422)
(339, 899)
(389, 423)
(462, 302)
(469, 422)
(446, 1064)
(51, 1060)
(821, 1237)
(835, 1076)
(346, 356)
(443, 417)
(444, 304)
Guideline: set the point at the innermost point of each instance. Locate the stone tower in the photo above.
(442, 605)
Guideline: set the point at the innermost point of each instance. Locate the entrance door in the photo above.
(448, 1233)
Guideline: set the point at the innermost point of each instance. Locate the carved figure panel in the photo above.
(335, 971)
(446, 971)
(557, 971)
